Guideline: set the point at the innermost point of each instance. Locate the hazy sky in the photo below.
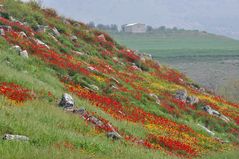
(217, 16)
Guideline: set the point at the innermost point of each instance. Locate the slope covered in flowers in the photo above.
(128, 88)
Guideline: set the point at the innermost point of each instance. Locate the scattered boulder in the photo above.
(202, 90)
(114, 80)
(2, 32)
(155, 97)
(11, 137)
(12, 19)
(96, 121)
(115, 59)
(78, 53)
(113, 135)
(192, 100)
(207, 130)
(65, 21)
(5, 27)
(2, 10)
(67, 102)
(213, 112)
(74, 38)
(53, 37)
(101, 37)
(80, 111)
(94, 87)
(24, 23)
(92, 69)
(113, 87)
(181, 95)
(56, 32)
(221, 140)
(24, 54)
(39, 42)
(134, 67)
(41, 28)
(23, 34)
(196, 87)
(17, 48)
(145, 56)
(181, 80)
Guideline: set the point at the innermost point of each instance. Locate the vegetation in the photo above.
(135, 95)
(179, 43)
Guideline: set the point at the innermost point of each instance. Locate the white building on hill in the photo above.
(134, 28)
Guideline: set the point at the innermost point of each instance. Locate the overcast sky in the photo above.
(216, 16)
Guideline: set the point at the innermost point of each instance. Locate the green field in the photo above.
(184, 43)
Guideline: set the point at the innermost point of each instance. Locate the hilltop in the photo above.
(74, 92)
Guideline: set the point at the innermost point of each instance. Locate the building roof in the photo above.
(133, 24)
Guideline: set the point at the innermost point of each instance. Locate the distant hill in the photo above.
(179, 43)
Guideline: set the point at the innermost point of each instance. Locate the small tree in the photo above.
(91, 24)
(114, 28)
(149, 28)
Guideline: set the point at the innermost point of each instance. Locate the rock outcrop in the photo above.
(182, 95)
(213, 112)
(67, 102)
(11, 137)
(24, 54)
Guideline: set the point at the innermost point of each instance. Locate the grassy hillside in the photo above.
(179, 43)
(179, 49)
(127, 94)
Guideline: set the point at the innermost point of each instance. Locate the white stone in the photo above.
(156, 98)
(207, 130)
(56, 32)
(92, 69)
(23, 34)
(74, 38)
(213, 112)
(15, 137)
(78, 53)
(39, 42)
(67, 101)
(2, 32)
(94, 87)
(17, 48)
(24, 54)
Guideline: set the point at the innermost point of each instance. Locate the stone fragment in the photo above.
(24, 54)
(67, 101)
(56, 32)
(11, 137)
(213, 112)
(114, 135)
(2, 32)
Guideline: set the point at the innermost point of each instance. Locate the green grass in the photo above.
(187, 43)
(48, 126)
(54, 133)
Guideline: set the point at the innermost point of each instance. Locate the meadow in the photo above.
(132, 97)
(179, 43)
